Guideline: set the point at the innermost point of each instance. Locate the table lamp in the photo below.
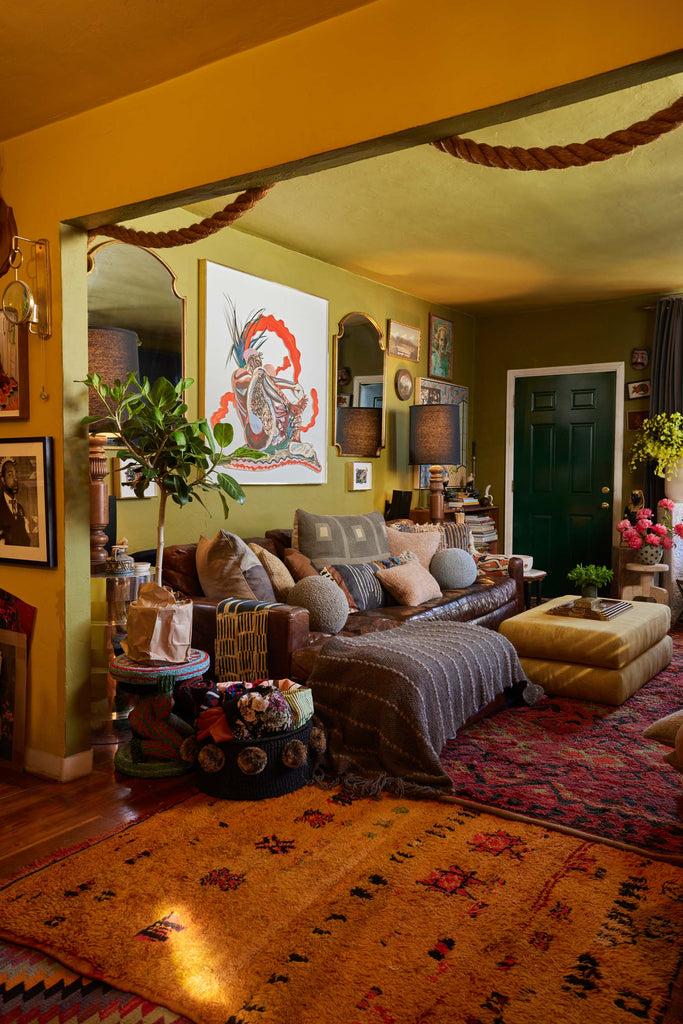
(435, 442)
(113, 353)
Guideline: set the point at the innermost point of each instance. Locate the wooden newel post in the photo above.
(99, 503)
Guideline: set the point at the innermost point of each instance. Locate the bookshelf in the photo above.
(421, 515)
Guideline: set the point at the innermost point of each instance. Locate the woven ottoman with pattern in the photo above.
(603, 661)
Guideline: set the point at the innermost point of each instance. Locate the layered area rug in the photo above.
(317, 908)
(580, 766)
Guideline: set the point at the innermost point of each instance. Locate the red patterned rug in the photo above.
(580, 766)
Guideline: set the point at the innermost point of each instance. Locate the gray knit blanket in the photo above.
(391, 700)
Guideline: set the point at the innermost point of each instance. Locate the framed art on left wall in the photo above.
(27, 503)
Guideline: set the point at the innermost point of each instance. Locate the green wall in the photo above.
(273, 506)
(595, 332)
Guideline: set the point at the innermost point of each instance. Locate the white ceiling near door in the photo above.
(482, 239)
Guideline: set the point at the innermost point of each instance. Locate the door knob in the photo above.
(604, 504)
(605, 490)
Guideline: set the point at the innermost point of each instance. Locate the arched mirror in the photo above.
(360, 386)
(132, 289)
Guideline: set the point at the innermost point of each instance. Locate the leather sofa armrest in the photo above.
(288, 630)
(516, 572)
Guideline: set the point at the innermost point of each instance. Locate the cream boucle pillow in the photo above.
(664, 730)
(410, 584)
(424, 545)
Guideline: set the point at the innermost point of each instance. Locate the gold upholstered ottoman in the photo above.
(588, 658)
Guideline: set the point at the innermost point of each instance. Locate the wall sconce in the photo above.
(22, 304)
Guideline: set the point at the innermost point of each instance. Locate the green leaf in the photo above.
(230, 487)
(224, 433)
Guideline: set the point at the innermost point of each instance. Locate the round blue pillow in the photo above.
(453, 568)
(328, 608)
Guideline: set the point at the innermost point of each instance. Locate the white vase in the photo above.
(649, 554)
(673, 488)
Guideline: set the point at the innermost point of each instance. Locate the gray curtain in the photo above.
(666, 384)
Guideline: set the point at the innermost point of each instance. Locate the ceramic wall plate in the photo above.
(403, 383)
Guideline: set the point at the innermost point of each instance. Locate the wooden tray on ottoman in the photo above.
(601, 608)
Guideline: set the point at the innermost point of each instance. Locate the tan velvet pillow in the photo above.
(220, 561)
(410, 584)
(665, 729)
(299, 565)
(424, 545)
(278, 573)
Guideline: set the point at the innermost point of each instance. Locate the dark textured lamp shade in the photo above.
(359, 431)
(112, 352)
(435, 442)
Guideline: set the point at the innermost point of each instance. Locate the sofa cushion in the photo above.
(298, 564)
(327, 606)
(410, 584)
(279, 576)
(424, 545)
(328, 540)
(360, 582)
(227, 568)
(453, 568)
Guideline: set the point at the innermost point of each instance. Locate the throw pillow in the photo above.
(411, 584)
(453, 568)
(424, 545)
(328, 540)
(222, 564)
(665, 729)
(330, 573)
(492, 563)
(361, 584)
(328, 609)
(458, 535)
(299, 566)
(279, 575)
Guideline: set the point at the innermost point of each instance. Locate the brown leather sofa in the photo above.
(292, 646)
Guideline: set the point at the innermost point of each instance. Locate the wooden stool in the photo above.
(643, 590)
(535, 576)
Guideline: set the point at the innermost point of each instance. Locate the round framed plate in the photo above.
(403, 383)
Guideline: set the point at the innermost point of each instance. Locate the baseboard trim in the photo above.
(62, 769)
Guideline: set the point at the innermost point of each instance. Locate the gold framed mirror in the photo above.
(359, 386)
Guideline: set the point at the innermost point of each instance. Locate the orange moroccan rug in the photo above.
(316, 909)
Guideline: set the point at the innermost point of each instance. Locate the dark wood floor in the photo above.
(39, 816)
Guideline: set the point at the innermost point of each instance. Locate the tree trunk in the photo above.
(163, 495)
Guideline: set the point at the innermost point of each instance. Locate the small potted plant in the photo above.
(589, 578)
(660, 441)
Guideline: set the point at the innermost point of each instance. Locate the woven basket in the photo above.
(230, 783)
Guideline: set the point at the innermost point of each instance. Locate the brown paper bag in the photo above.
(159, 627)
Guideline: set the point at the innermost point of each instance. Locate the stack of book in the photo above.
(483, 530)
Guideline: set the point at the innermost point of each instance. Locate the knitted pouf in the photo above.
(328, 608)
(453, 568)
(241, 776)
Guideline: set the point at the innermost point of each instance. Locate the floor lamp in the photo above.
(113, 353)
(435, 442)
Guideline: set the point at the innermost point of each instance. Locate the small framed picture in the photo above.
(403, 341)
(639, 389)
(13, 665)
(126, 474)
(360, 476)
(440, 348)
(635, 419)
(640, 357)
(13, 371)
(403, 384)
(27, 503)
(343, 401)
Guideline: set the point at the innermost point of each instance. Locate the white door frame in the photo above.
(547, 371)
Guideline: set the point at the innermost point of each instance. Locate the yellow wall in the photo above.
(595, 332)
(268, 507)
(281, 102)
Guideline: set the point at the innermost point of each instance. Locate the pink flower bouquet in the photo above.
(646, 531)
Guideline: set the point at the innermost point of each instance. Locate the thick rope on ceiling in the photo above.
(183, 236)
(576, 154)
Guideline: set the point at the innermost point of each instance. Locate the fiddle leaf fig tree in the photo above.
(152, 429)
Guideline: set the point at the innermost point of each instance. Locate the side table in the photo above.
(644, 590)
(157, 733)
(535, 577)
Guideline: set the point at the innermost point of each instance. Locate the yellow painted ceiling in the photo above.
(59, 59)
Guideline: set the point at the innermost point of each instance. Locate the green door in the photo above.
(564, 472)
